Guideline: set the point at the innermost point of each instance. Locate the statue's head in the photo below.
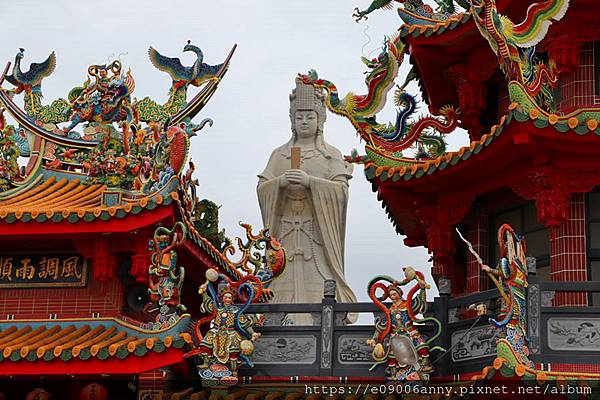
(394, 292)
(307, 110)
(227, 295)
(162, 241)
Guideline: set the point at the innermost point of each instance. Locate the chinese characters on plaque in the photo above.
(42, 270)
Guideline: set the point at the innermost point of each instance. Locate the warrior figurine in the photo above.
(511, 280)
(397, 341)
(165, 277)
(228, 343)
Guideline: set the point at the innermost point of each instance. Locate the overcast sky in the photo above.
(276, 40)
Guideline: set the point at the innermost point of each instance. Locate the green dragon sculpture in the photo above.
(206, 222)
(514, 44)
(387, 141)
(414, 12)
(9, 154)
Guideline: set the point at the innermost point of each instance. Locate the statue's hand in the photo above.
(283, 181)
(371, 342)
(486, 268)
(297, 176)
(255, 336)
(202, 288)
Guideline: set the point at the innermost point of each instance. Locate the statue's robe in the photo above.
(310, 222)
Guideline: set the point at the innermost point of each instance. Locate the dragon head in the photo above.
(384, 68)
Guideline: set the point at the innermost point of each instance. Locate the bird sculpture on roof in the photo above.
(36, 73)
(182, 75)
(30, 83)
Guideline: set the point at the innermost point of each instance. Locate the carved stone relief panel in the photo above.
(297, 349)
(574, 334)
(478, 343)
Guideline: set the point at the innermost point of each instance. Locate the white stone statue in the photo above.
(305, 208)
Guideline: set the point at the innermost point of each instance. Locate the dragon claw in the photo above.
(358, 15)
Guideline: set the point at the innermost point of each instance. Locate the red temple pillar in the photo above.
(439, 221)
(469, 78)
(568, 258)
(478, 236)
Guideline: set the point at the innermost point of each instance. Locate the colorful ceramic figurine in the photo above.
(514, 44)
(165, 277)
(511, 279)
(107, 100)
(9, 154)
(397, 341)
(228, 342)
(100, 132)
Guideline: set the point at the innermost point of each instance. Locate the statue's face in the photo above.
(305, 123)
(227, 299)
(394, 295)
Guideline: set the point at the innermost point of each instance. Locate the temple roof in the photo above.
(581, 122)
(57, 198)
(508, 364)
(84, 340)
(506, 157)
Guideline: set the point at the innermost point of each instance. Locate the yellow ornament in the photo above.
(246, 347)
(378, 352)
(212, 275)
(409, 272)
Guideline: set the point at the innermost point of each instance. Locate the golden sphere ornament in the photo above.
(378, 352)
(212, 275)
(246, 347)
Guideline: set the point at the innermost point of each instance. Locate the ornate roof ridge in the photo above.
(580, 121)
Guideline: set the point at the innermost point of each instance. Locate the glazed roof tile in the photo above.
(58, 198)
(84, 339)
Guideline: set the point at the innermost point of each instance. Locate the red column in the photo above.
(478, 236)
(141, 259)
(105, 263)
(152, 382)
(568, 260)
(439, 221)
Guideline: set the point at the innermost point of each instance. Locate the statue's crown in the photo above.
(307, 97)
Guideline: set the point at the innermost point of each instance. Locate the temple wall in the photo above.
(568, 256)
(577, 87)
(568, 259)
(105, 299)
